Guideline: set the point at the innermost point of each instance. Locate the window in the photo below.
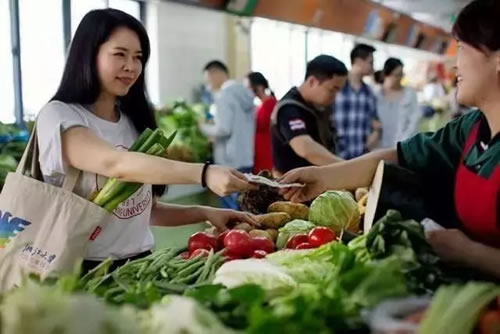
(128, 6)
(278, 51)
(42, 52)
(79, 8)
(7, 114)
(330, 43)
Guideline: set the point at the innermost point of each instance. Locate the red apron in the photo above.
(476, 199)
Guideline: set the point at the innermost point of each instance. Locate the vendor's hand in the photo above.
(450, 245)
(311, 177)
(220, 218)
(224, 180)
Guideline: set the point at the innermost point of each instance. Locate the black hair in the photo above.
(390, 65)
(258, 79)
(477, 25)
(361, 51)
(216, 65)
(80, 82)
(378, 76)
(325, 67)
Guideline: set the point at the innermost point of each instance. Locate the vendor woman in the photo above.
(463, 157)
(98, 111)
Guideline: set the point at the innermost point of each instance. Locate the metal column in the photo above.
(16, 59)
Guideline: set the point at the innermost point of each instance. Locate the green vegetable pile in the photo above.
(190, 145)
(144, 281)
(115, 192)
(393, 236)
(332, 305)
(323, 290)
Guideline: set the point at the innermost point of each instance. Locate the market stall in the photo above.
(304, 269)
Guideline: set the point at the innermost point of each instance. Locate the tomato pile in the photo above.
(239, 244)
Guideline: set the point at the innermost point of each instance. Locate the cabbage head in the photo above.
(335, 209)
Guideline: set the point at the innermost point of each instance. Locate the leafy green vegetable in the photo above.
(182, 315)
(292, 228)
(47, 310)
(190, 144)
(232, 306)
(270, 277)
(335, 209)
(332, 306)
(392, 236)
(310, 265)
(456, 308)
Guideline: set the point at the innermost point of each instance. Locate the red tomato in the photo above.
(201, 240)
(230, 257)
(220, 239)
(184, 255)
(259, 254)
(239, 243)
(489, 323)
(263, 243)
(304, 245)
(321, 235)
(200, 252)
(297, 240)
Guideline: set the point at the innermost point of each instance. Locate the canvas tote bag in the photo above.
(44, 229)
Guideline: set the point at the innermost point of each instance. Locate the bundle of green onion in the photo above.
(115, 192)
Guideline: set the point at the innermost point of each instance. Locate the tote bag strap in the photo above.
(30, 165)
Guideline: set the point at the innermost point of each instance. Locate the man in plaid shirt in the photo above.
(355, 110)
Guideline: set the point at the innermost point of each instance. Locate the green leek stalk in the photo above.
(128, 188)
(141, 140)
(113, 186)
(114, 191)
(153, 139)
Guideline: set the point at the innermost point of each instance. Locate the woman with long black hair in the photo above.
(461, 161)
(99, 110)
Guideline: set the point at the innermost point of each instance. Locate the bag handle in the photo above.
(29, 161)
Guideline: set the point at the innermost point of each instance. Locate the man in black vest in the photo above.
(300, 126)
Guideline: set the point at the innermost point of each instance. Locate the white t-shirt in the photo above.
(128, 230)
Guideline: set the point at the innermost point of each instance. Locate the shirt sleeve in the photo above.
(437, 154)
(55, 118)
(291, 123)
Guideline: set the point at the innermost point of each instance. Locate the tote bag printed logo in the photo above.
(10, 227)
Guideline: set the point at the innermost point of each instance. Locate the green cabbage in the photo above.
(273, 279)
(335, 209)
(308, 265)
(294, 227)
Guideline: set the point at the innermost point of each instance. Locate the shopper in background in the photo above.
(97, 113)
(460, 163)
(355, 112)
(397, 106)
(434, 89)
(263, 159)
(300, 130)
(233, 129)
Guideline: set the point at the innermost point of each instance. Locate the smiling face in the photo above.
(119, 62)
(478, 75)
